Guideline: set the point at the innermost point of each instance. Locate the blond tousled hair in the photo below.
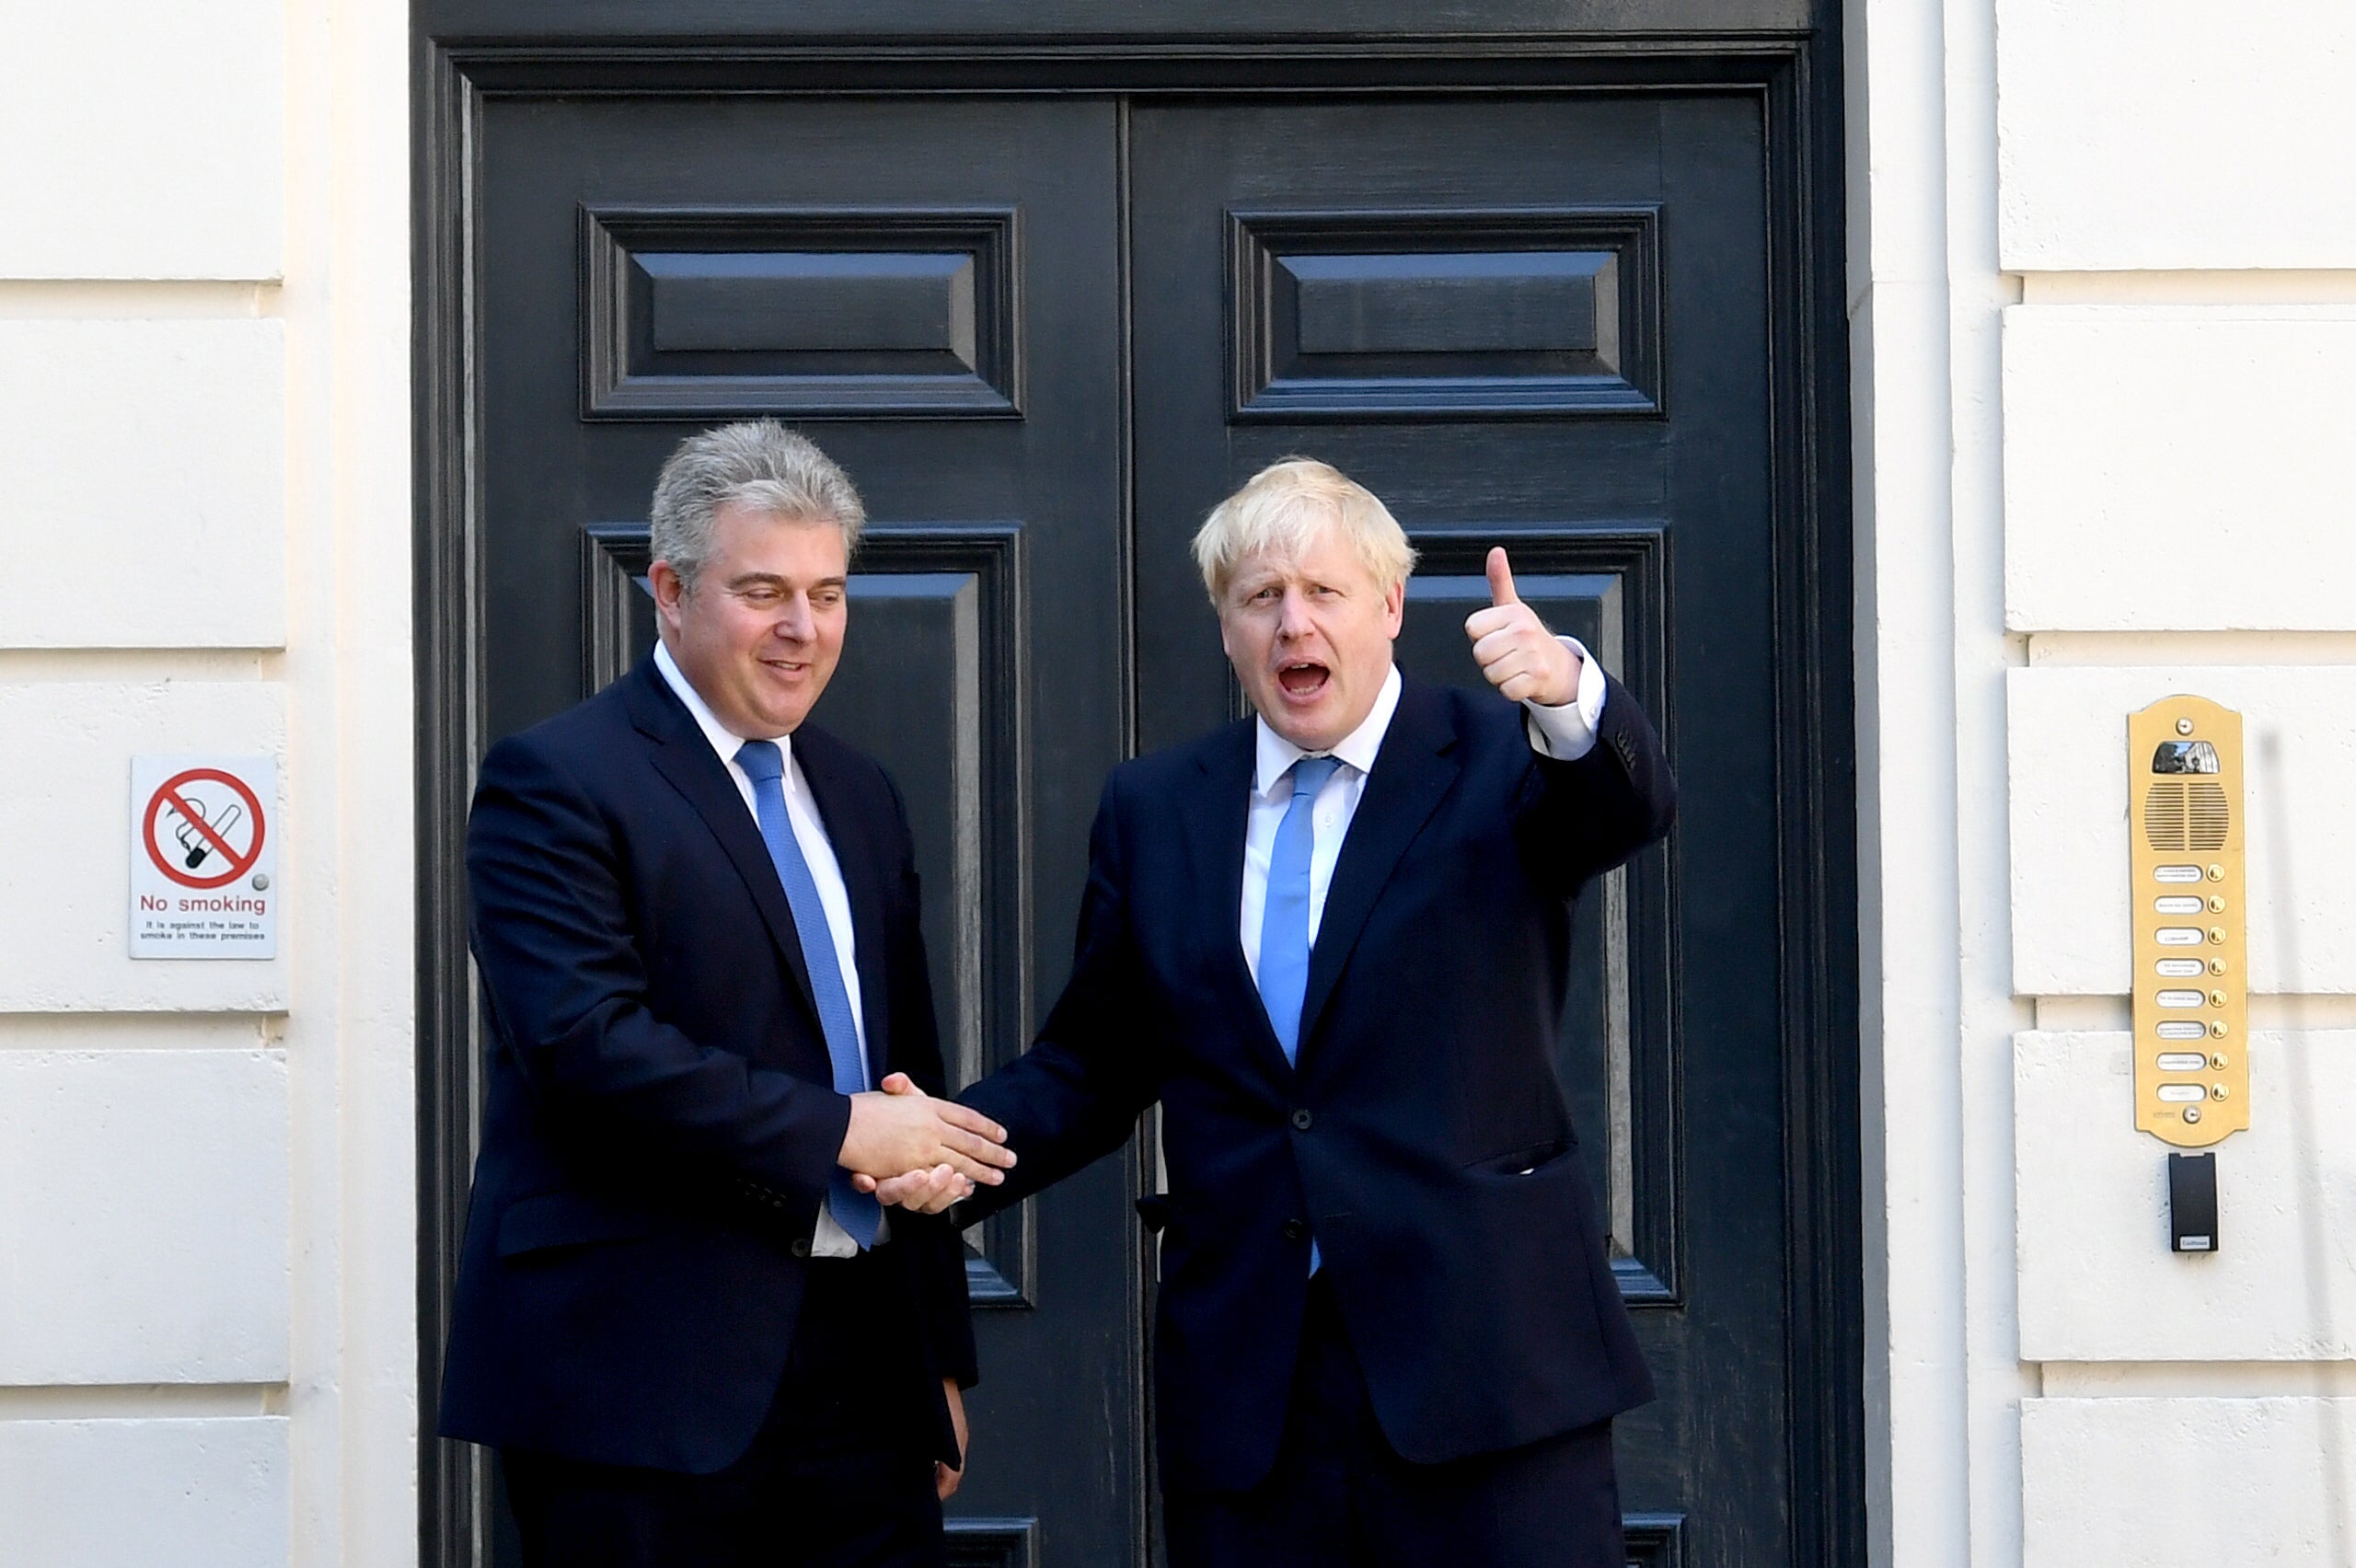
(1284, 508)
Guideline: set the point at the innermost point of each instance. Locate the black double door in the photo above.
(1046, 334)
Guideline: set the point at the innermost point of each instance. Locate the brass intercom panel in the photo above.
(2184, 757)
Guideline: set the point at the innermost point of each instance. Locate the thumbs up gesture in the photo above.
(1521, 658)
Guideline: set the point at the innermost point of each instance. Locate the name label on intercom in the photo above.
(2184, 789)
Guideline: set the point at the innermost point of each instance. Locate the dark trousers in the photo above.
(1340, 1498)
(839, 1475)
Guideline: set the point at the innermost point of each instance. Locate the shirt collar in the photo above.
(724, 740)
(1357, 748)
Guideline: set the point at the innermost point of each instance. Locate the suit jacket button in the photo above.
(801, 1246)
(1302, 1120)
(1296, 1229)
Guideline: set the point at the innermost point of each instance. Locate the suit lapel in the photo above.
(1412, 771)
(1216, 818)
(849, 821)
(683, 756)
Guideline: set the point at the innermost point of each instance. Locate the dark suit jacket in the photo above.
(1423, 1139)
(659, 1124)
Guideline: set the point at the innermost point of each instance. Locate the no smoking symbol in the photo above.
(203, 828)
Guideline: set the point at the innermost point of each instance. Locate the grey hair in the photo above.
(757, 463)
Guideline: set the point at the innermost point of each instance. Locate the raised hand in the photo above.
(1515, 651)
(902, 1129)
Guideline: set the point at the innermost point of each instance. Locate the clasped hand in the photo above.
(917, 1152)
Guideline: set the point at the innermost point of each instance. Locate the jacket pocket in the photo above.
(568, 1219)
(1522, 1162)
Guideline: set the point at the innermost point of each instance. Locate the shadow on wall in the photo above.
(2272, 793)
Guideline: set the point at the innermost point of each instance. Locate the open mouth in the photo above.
(1303, 680)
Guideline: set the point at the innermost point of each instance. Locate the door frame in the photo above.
(1229, 48)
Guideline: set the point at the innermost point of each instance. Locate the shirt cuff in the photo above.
(1567, 734)
(829, 1240)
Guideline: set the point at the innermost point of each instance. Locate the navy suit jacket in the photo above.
(659, 1123)
(1422, 1139)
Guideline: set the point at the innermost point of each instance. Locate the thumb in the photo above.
(1501, 578)
(899, 1083)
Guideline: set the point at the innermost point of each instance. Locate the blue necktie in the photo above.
(858, 1213)
(1284, 915)
(1284, 918)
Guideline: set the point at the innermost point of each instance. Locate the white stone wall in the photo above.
(2104, 325)
(207, 1335)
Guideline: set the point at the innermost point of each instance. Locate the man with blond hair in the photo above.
(1332, 942)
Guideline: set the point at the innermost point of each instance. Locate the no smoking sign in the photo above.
(204, 857)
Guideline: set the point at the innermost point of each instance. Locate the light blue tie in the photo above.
(1284, 919)
(1284, 915)
(858, 1213)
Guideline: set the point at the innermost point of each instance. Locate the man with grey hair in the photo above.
(691, 1339)
(1332, 942)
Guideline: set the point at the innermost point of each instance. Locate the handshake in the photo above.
(918, 1153)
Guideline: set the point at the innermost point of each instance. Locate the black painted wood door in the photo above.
(1542, 323)
(1046, 334)
(932, 291)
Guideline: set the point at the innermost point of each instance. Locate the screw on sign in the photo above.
(203, 837)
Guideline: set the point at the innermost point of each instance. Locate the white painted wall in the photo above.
(2168, 133)
(145, 140)
(205, 1492)
(145, 1235)
(2098, 1281)
(207, 1213)
(2190, 1482)
(2164, 465)
(186, 546)
(2103, 258)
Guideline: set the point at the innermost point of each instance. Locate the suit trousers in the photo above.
(840, 1474)
(1340, 1497)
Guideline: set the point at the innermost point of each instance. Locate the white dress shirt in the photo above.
(831, 1241)
(1565, 733)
